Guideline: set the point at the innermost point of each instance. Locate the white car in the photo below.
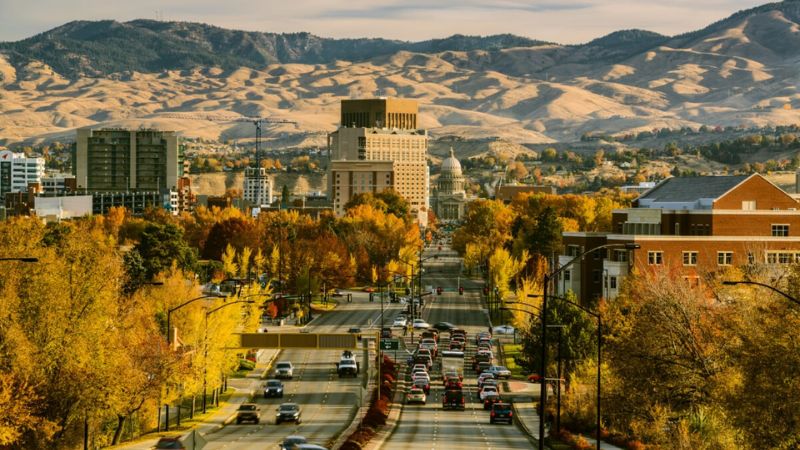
(423, 375)
(399, 322)
(284, 369)
(503, 329)
(486, 390)
(419, 323)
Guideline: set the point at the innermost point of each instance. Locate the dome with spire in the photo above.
(451, 164)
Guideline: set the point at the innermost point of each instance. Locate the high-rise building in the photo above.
(257, 187)
(117, 160)
(18, 170)
(373, 133)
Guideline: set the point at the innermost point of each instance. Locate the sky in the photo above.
(561, 21)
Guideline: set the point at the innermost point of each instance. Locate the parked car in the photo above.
(501, 412)
(248, 412)
(284, 369)
(288, 412)
(273, 388)
(416, 395)
(503, 329)
(534, 378)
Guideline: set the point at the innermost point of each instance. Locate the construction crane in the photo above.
(257, 121)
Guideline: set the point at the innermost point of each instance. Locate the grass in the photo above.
(321, 306)
(510, 351)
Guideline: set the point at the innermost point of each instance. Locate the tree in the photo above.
(160, 245)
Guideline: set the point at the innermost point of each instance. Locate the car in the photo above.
(490, 399)
(452, 374)
(488, 382)
(483, 377)
(354, 330)
(487, 390)
(400, 321)
(501, 412)
(248, 412)
(453, 399)
(273, 388)
(419, 367)
(431, 333)
(423, 384)
(453, 383)
(416, 395)
(500, 372)
(503, 329)
(386, 333)
(534, 378)
(483, 367)
(456, 346)
(284, 369)
(309, 447)
(288, 412)
(443, 326)
(420, 375)
(419, 323)
(171, 443)
(423, 359)
(429, 344)
(291, 442)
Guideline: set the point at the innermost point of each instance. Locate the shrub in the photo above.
(246, 365)
(351, 445)
(635, 445)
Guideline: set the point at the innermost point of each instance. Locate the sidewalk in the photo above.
(243, 391)
(523, 395)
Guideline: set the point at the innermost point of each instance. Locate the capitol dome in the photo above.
(451, 164)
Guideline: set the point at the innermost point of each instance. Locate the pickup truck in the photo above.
(347, 365)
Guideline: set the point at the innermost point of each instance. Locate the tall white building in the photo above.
(378, 138)
(17, 171)
(257, 187)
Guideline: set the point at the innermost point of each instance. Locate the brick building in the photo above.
(691, 225)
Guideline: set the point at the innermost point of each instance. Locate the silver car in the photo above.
(284, 369)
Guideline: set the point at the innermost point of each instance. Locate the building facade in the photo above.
(449, 199)
(17, 171)
(257, 187)
(377, 132)
(690, 226)
(117, 160)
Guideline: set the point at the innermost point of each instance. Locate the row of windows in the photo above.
(725, 258)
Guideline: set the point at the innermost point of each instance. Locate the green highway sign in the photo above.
(390, 344)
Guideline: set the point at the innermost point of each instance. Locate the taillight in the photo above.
(510, 414)
(492, 414)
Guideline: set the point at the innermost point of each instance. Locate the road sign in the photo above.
(390, 344)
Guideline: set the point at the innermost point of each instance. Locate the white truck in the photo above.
(347, 365)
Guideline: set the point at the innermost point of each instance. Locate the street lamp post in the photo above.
(558, 375)
(543, 390)
(205, 347)
(172, 310)
(773, 288)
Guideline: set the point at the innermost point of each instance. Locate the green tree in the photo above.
(162, 244)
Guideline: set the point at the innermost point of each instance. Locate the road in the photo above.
(428, 424)
(328, 404)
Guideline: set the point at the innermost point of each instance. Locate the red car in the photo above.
(534, 378)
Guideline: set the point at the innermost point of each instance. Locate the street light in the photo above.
(774, 289)
(205, 347)
(547, 280)
(171, 310)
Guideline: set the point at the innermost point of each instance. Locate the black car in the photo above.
(501, 412)
(248, 412)
(453, 399)
(288, 412)
(273, 388)
(386, 333)
(444, 326)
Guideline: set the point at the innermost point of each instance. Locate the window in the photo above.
(724, 258)
(573, 250)
(780, 230)
(748, 205)
(655, 258)
(567, 275)
(595, 276)
(751, 258)
(689, 258)
(622, 255)
(612, 282)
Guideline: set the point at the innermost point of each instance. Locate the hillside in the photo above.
(740, 71)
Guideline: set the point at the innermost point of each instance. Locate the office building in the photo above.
(117, 160)
(692, 226)
(17, 171)
(257, 187)
(380, 131)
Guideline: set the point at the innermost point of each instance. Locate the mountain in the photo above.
(741, 71)
(102, 48)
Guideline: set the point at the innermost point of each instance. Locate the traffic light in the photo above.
(460, 290)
